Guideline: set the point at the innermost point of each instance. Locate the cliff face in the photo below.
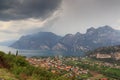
(92, 39)
(115, 56)
(111, 52)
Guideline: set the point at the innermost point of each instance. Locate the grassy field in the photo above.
(6, 75)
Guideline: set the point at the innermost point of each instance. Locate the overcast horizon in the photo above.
(22, 17)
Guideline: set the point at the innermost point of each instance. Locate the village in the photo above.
(56, 66)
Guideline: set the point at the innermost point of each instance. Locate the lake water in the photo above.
(31, 53)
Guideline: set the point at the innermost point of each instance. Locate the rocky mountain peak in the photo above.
(90, 30)
(78, 34)
(105, 28)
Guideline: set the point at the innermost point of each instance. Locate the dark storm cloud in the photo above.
(22, 9)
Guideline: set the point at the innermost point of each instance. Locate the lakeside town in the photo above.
(56, 65)
(60, 65)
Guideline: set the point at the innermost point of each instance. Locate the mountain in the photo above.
(73, 42)
(41, 40)
(102, 36)
(92, 39)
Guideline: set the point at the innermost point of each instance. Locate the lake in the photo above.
(37, 53)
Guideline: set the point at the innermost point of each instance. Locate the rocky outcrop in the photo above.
(111, 52)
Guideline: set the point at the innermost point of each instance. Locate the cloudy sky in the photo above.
(21, 17)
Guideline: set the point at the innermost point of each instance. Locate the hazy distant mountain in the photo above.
(103, 36)
(92, 39)
(7, 43)
(41, 40)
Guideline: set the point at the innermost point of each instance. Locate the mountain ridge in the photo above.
(39, 40)
(92, 39)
